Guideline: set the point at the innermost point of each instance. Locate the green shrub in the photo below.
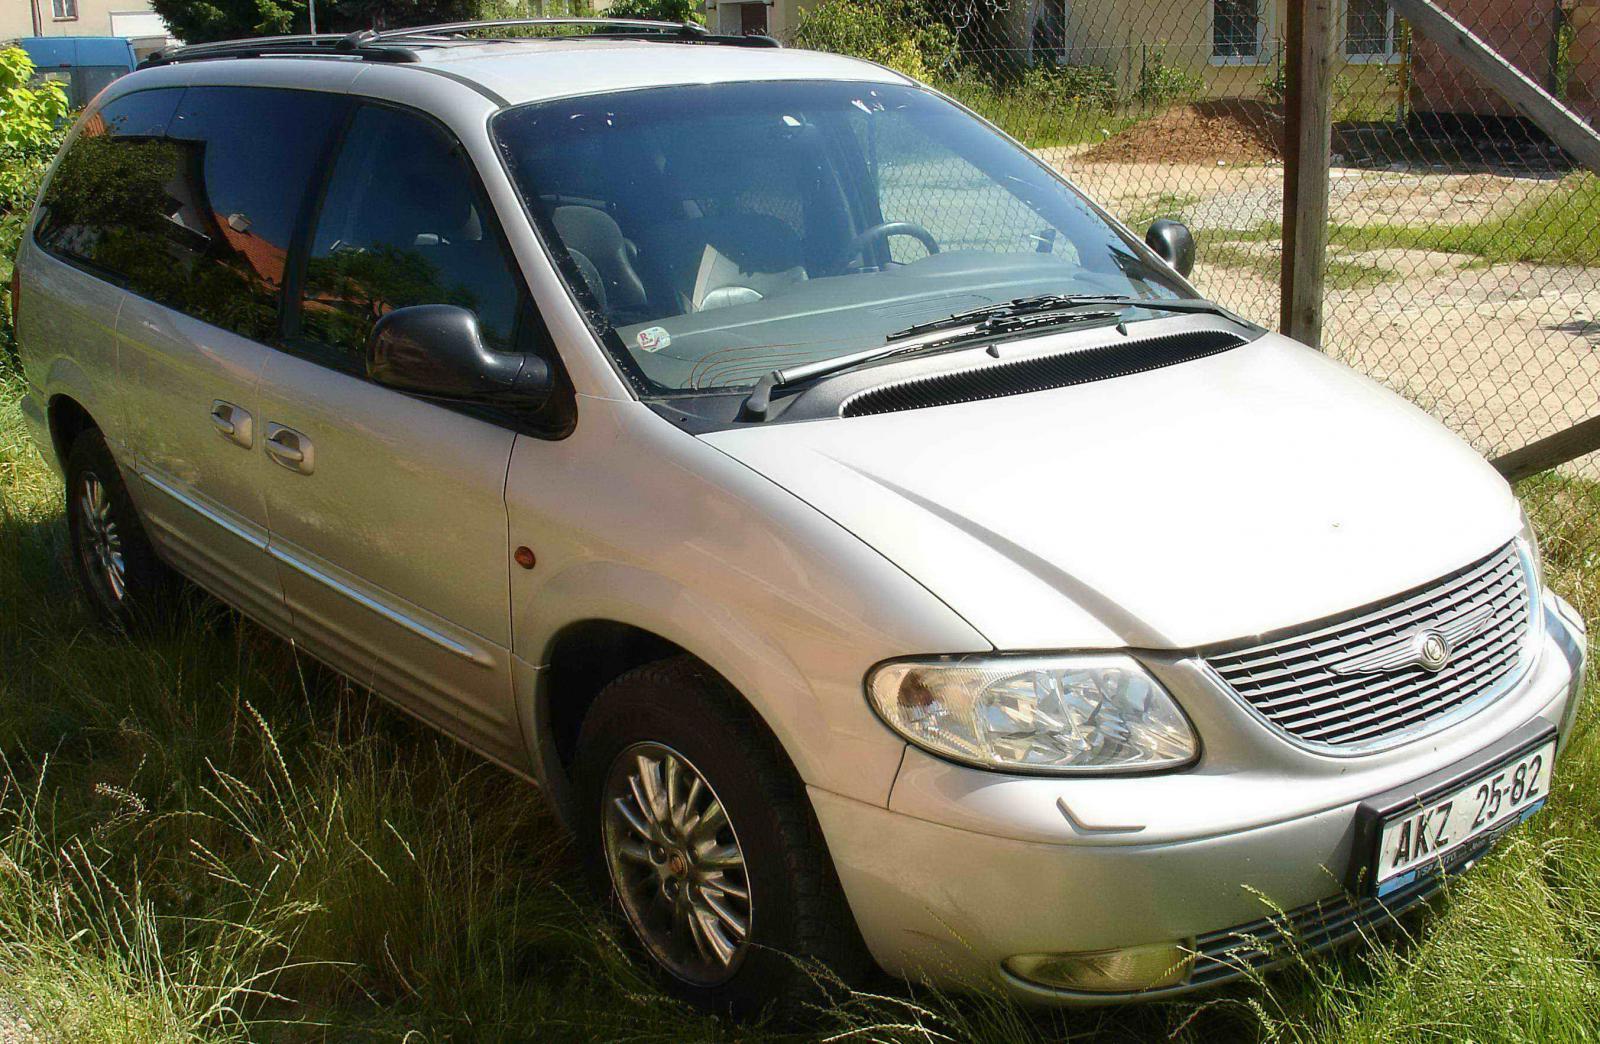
(32, 122)
(905, 35)
(1079, 86)
(1274, 89)
(658, 10)
(1162, 84)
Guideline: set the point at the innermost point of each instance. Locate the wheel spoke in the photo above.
(669, 786)
(712, 820)
(720, 882)
(635, 852)
(720, 943)
(648, 777)
(630, 817)
(721, 857)
(722, 910)
(691, 800)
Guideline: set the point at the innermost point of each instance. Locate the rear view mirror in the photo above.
(1173, 241)
(437, 350)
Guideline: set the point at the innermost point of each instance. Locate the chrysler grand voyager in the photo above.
(875, 551)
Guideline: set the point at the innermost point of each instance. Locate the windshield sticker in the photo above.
(654, 339)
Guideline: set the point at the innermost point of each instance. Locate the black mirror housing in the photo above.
(1173, 242)
(437, 350)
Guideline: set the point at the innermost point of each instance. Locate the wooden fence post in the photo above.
(1307, 145)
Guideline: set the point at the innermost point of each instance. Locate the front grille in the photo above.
(1313, 685)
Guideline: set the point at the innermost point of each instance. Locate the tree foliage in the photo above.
(199, 21)
(659, 10)
(32, 122)
(909, 36)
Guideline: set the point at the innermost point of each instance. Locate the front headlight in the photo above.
(1091, 712)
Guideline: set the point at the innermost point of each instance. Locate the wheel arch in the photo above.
(579, 660)
(68, 418)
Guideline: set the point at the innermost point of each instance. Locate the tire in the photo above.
(115, 565)
(794, 909)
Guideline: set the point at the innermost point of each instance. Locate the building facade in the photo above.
(128, 18)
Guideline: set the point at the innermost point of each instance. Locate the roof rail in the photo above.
(351, 45)
(383, 46)
(676, 32)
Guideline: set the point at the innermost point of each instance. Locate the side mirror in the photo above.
(437, 350)
(1173, 241)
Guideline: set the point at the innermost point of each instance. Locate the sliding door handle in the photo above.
(289, 448)
(233, 423)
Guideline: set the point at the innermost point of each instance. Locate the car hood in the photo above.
(1217, 499)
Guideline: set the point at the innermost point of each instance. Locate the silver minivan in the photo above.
(876, 552)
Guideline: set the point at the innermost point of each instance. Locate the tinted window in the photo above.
(109, 185)
(402, 224)
(249, 157)
(199, 220)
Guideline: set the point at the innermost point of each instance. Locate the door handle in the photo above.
(233, 423)
(290, 448)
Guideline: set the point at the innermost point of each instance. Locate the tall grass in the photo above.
(204, 836)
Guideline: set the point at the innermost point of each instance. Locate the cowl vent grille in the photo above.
(1040, 374)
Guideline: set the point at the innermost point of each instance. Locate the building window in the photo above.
(753, 19)
(1235, 30)
(1368, 30)
(63, 10)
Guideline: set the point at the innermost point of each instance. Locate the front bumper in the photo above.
(966, 868)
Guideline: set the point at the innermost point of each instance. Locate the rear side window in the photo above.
(403, 224)
(200, 218)
(110, 183)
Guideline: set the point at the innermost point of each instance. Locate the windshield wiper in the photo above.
(1019, 314)
(1046, 303)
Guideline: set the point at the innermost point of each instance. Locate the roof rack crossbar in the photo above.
(332, 44)
(451, 28)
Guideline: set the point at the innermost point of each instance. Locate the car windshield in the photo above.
(717, 232)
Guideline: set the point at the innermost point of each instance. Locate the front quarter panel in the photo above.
(634, 521)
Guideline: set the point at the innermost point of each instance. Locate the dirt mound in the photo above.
(1202, 132)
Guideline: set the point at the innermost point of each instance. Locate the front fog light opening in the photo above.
(1131, 969)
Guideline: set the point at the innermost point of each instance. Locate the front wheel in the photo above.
(701, 834)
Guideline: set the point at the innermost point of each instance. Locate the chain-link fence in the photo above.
(1463, 247)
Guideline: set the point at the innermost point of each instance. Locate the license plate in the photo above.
(1418, 839)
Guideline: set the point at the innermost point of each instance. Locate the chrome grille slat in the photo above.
(1290, 679)
(1313, 698)
(1421, 706)
(1286, 652)
(1269, 651)
(1289, 667)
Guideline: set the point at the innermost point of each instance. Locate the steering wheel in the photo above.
(879, 233)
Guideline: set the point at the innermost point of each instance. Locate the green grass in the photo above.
(1556, 226)
(1171, 205)
(205, 837)
(1039, 121)
(1342, 273)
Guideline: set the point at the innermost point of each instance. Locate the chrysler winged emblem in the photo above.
(1427, 647)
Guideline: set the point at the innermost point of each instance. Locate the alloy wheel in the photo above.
(676, 864)
(100, 542)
